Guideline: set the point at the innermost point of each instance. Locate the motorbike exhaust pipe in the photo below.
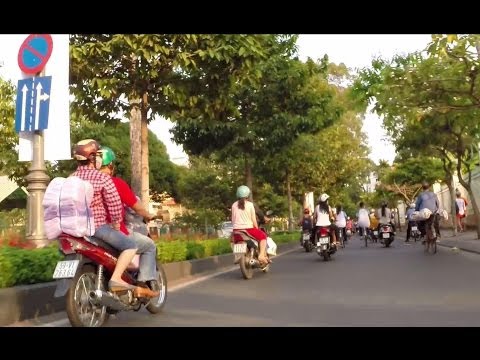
(102, 298)
(253, 262)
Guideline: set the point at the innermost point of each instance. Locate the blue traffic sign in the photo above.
(33, 103)
(34, 53)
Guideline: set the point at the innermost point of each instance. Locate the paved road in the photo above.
(374, 286)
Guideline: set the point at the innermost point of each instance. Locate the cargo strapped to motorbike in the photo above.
(421, 215)
(250, 240)
(66, 205)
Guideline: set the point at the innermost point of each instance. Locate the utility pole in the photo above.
(37, 179)
(32, 117)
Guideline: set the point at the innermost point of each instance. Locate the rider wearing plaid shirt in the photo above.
(106, 195)
(104, 188)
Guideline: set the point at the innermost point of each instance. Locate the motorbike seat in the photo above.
(243, 235)
(100, 243)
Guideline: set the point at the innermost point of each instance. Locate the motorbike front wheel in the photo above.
(80, 311)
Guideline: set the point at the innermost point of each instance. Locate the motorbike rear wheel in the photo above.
(245, 268)
(308, 247)
(157, 304)
(80, 311)
(326, 255)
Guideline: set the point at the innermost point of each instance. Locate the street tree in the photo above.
(436, 93)
(293, 98)
(163, 173)
(146, 75)
(332, 160)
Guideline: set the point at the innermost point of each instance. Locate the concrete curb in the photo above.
(25, 302)
(459, 247)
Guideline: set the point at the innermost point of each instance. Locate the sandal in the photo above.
(119, 287)
(265, 262)
(145, 292)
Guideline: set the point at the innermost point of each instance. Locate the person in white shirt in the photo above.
(384, 215)
(341, 221)
(323, 216)
(244, 218)
(461, 210)
(363, 218)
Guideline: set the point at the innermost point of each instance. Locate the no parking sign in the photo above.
(34, 53)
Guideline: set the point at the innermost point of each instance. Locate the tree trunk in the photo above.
(453, 212)
(290, 209)
(136, 146)
(399, 226)
(248, 177)
(472, 199)
(145, 170)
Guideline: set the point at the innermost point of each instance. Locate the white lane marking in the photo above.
(65, 322)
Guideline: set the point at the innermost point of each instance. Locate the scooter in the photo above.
(307, 241)
(386, 234)
(324, 247)
(82, 277)
(414, 231)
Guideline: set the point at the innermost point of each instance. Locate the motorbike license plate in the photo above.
(375, 232)
(414, 228)
(306, 237)
(65, 269)
(240, 248)
(385, 235)
(322, 240)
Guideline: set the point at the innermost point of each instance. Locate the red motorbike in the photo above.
(323, 240)
(82, 277)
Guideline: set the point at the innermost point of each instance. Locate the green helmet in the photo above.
(243, 192)
(108, 156)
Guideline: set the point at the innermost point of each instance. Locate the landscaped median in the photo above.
(26, 274)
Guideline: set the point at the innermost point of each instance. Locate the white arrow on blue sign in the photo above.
(33, 103)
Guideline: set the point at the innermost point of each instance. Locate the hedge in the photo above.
(23, 266)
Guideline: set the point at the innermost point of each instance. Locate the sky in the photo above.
(355, 51)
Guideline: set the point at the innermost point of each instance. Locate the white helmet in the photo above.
(412, 205)
(323, 197)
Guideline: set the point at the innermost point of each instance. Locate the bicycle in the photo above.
(430, 240)
(365, 235)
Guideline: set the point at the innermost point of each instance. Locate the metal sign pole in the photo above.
(37, 179)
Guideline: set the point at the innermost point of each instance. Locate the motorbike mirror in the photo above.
(269, 212)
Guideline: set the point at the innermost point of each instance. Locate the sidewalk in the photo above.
(466, 241)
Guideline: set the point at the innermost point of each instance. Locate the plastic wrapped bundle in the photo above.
(421, 215)
(271, 247)
(67, 207)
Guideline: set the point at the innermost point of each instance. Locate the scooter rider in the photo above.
(408, 217)
(244, 218)
(145, 245)
(105, 200)
(306, 223)
(426, 200)
(323, 217)
(384, 215)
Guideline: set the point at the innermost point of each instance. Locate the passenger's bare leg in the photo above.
(262, 255)
(123, 261)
